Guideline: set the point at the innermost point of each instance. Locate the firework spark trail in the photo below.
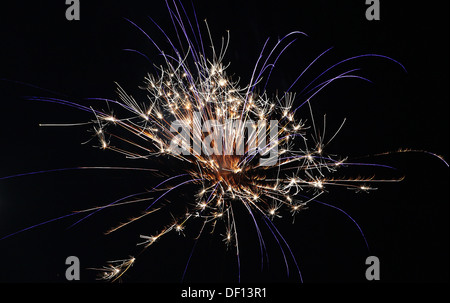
(115, 269)
(270, 225)
(353, 220)
(193, 89)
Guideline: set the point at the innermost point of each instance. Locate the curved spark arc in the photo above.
(348, 216)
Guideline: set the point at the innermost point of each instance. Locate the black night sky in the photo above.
(406, 224)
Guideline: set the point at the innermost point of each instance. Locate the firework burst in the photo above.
(236, 144)
(197, 114)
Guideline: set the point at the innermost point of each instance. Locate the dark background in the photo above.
(406, 224)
